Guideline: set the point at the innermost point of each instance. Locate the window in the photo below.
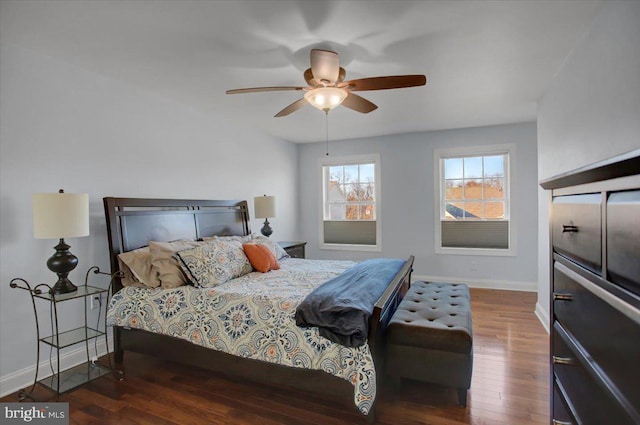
(350, 199)
(473, 202)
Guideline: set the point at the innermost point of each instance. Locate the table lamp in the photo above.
(58, 216)
(265, 207)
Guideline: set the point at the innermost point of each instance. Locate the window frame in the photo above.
(351, 160)
(439, 181)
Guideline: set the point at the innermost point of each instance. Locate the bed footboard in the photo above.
(383, 311)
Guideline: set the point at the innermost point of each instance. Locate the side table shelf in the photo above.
(62, 381)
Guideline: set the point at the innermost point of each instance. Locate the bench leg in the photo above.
(462, 396)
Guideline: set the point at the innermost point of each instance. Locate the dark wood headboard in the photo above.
(133, 222)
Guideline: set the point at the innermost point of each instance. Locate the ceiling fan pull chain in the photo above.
(326, 114)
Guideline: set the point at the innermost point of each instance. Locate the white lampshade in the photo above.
(265, 206)
(60, 215)
(326, 98)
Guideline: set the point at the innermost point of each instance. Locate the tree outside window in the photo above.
(351, 192)
(350, 201)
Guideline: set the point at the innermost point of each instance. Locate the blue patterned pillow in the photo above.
(214, 263)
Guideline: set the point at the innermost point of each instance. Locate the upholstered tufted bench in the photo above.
(430, 337)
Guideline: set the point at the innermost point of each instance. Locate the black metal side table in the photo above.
(63, 381)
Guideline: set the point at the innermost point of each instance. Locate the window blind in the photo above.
(350, 232)
(475, 234)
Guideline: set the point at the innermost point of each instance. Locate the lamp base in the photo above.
(266, 229)
(61, 263)
(63, 286)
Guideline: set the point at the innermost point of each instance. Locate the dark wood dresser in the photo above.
(595, 293)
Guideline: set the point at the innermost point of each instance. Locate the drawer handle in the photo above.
(569, 228)
(557, 422)
(562, 360)
(562, 297)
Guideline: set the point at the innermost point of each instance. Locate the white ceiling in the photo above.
(487, 62)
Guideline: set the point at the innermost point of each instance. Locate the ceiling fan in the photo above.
(327, 88)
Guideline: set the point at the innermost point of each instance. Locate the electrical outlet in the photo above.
(96, 301)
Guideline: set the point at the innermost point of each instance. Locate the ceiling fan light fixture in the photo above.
(326, 98)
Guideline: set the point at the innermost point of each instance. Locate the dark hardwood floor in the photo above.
(509, 385)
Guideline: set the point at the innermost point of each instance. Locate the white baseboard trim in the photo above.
(23, 378)
(543, 316)
(508, 285)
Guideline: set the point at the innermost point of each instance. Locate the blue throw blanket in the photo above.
(342, 306)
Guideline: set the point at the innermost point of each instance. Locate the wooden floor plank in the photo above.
(509, 385)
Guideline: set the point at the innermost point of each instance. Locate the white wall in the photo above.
(591, 110)
(408, 197)
(65, 127)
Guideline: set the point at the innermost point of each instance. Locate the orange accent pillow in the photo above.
(260, 257)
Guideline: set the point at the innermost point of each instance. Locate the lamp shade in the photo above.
(60, 215)
(265, 206)
(326, 98)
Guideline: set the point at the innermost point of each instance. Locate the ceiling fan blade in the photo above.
(292, 108)
(358, 103)
(325, 66)
(308, 77)
(384, 83)
(263, 89)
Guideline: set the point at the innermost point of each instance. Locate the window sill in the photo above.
(350, 247)
(476, 251)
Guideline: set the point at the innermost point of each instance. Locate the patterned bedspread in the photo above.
(252, 316)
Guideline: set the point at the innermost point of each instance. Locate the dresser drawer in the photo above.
(623, 239)
(607, 327)
(561, 415)
(576, 229)
(591, 401)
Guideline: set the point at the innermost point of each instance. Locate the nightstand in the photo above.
(65, 380)
(294, 249)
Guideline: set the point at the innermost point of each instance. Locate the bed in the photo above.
(353, 372)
